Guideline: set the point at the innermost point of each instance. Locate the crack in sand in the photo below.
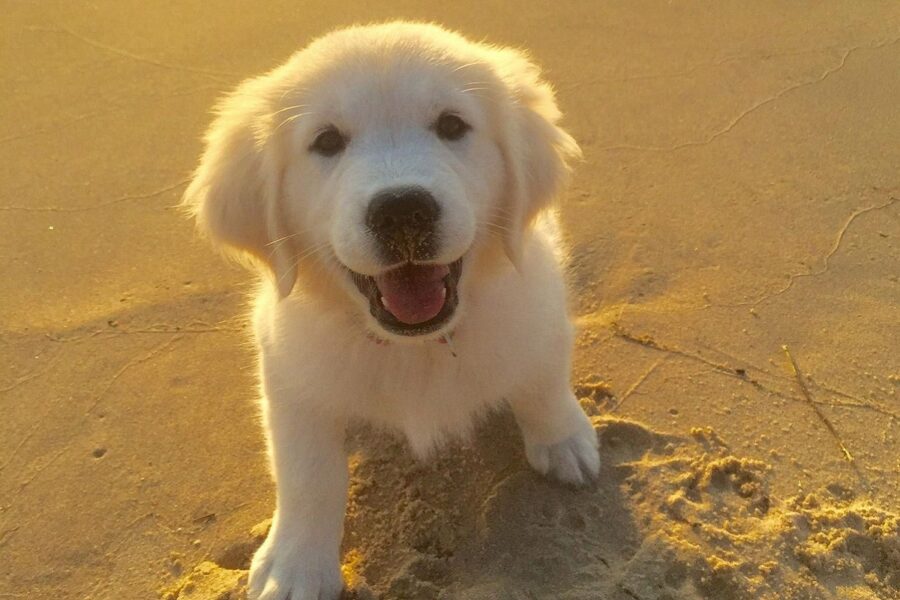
(131, 363)
(213, 74)
(55, 126)
(7, 535)
(106, 334)
(180, 330)
(22, 380)
(629, 593)
(21, 443)
(756, 106)
(24, 484)
(825, 261)
(31, 376)
(115, 330)
(804, 390)
(99, 398)
(742, 374)
(697, 67)
(126, 533)
(120, 200)
(735, 373)
(638, 382)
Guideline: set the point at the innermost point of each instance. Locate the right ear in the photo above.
(235, 194)
(535, 149)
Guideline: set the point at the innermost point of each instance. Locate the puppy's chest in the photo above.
(432, 379)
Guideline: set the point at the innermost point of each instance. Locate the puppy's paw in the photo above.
(284, 569)
(575, 460)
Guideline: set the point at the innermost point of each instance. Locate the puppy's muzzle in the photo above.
(404, 222)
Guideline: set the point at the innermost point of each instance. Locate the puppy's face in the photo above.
(394, 172)
(383, 159)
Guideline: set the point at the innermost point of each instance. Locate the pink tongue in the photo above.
(413, 293)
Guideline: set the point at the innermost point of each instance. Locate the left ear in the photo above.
(535, 149)
(236, 194)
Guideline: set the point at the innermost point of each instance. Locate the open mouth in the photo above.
(412, 299)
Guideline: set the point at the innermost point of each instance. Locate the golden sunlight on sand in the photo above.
(738, 195)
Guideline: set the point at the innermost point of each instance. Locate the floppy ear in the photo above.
(235, 194)
(535, 149)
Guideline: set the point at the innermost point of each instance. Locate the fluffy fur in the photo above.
(261, 193)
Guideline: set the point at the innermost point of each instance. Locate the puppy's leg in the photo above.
(559, 439)
(300, 559)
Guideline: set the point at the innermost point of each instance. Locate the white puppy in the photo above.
(393, 182)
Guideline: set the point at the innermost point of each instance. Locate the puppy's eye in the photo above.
(451, 127)
(329, 142)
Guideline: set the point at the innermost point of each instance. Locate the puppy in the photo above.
(392, 182)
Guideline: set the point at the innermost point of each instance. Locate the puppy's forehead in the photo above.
(394, 93)
(390, 87)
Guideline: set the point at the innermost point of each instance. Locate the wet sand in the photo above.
(738, 195)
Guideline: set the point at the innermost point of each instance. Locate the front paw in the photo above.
(575, 460)
(285, 569)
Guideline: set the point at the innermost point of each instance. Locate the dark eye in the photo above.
(450, 127)
(329, 142)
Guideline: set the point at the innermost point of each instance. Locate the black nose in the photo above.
(404, 222)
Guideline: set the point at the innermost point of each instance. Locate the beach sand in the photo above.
(735, 274)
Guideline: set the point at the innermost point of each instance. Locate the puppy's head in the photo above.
(378, 164)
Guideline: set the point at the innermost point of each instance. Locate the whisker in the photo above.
(281, 239)
(309, 252)
(298, 258)
(508, 219)
(496, 227)
(290, 119)
(287, 108)
(301, 257)
(290, 235)
(496, 233)
(290, 89)
(483, 228)
(465, 66)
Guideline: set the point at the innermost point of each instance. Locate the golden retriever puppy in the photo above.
(392, 182)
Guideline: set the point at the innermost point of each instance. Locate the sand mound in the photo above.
(670, 518)
(208, 581)
(712, 530)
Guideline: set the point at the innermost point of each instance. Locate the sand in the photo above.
(670, 518)
(739, 194)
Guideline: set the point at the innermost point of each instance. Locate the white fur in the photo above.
(261, 193)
